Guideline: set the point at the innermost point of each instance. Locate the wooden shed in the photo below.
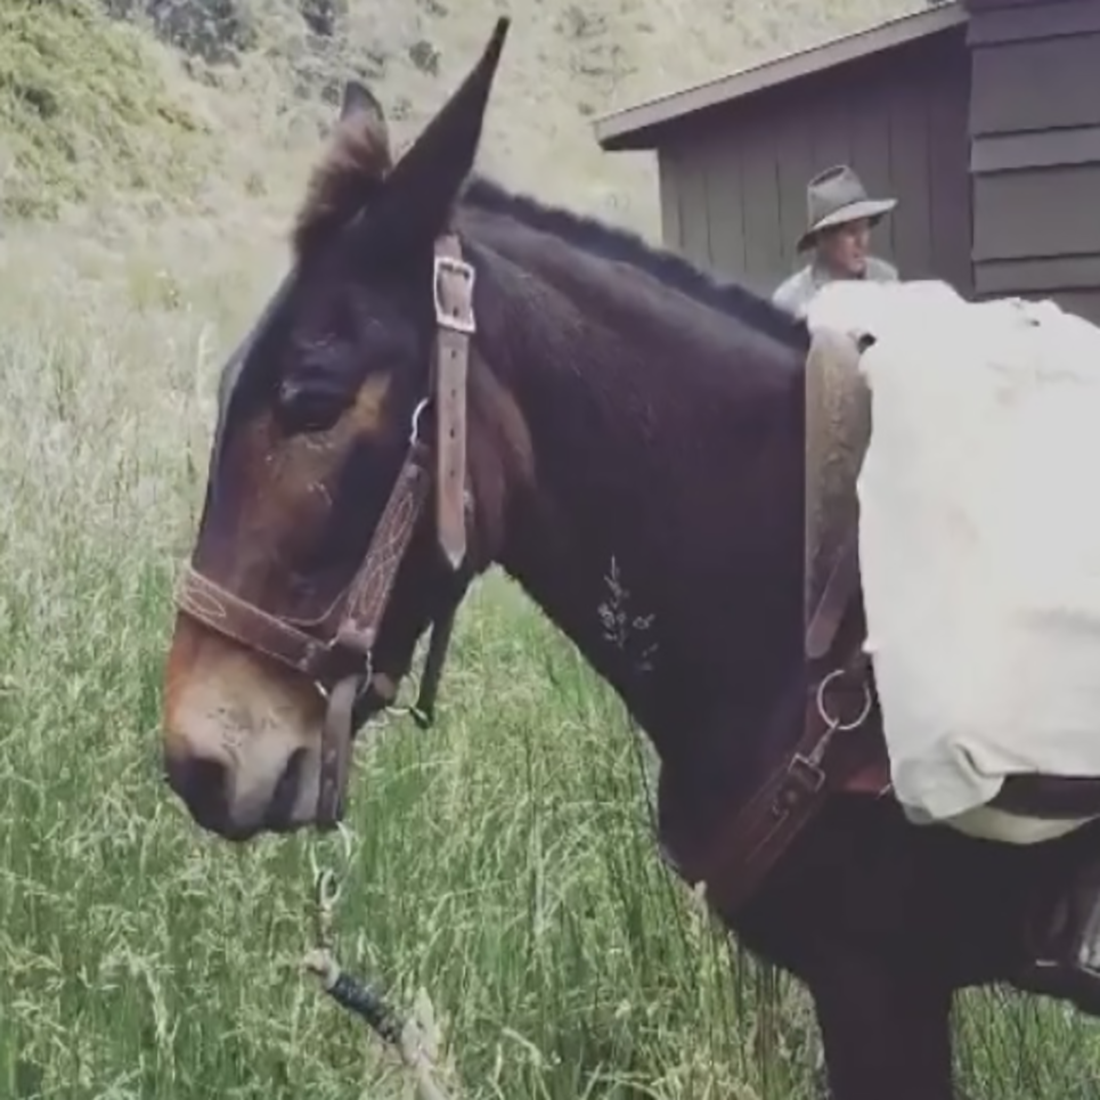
(982, 117)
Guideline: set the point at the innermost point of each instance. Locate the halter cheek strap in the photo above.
(338, 648)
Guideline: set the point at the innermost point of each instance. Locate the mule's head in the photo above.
(314, 429)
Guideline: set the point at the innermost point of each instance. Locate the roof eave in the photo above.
(641, 126)
(612, 140)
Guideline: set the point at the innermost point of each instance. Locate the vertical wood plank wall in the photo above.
(733, 186)
(1035, 159)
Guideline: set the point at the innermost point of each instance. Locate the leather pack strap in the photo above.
(839, 750)
(838, 595)
(822, 764)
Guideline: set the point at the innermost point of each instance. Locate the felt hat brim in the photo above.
(865, 208)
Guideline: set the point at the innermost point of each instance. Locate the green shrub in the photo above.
(84, 110)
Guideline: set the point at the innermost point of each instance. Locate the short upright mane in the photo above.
(618, 244)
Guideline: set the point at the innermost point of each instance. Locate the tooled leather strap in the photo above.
(243, 622)
(452, 292)
(371, 588)
(365, 603)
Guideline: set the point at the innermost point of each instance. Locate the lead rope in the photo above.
(408, 1037)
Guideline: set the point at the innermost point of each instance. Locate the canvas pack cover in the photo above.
(979, 536)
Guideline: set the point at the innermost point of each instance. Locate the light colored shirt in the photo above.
(794, 293)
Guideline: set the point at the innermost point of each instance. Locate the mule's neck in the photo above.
(662, 528)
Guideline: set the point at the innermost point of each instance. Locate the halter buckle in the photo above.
(459, 318)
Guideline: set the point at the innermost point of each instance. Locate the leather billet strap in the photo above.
(453, 294)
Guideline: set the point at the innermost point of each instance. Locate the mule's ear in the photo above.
(425, 182)
(362, 110)
(360, 100)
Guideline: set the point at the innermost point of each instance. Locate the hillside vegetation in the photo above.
(85, 109)
(152, 154)
(86, 102)
(566, 62)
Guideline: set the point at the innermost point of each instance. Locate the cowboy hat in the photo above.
(836, 196)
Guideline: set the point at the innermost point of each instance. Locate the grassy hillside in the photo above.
(503, 863)
(88, 104)
(566, 61)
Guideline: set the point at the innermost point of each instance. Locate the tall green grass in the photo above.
(503, 862)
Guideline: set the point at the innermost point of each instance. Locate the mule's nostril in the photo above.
(201, 783)
(281, 808)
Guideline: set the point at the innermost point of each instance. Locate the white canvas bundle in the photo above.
(979, 537)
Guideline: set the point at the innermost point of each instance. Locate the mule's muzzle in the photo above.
(326, 650)
(203, 784)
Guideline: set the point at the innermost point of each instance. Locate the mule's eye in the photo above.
(302, 408)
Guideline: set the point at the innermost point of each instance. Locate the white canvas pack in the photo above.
(979, 537)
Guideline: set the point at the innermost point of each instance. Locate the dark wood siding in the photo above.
(1035, 155)
(733, 181)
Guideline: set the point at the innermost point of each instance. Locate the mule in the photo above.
(454, 377)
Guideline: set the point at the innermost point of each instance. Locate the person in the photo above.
(840, 217)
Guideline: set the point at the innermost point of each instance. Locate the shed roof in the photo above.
(640, 126)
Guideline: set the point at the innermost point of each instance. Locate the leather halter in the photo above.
(336, 650)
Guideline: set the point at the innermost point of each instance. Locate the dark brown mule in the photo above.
(602, 404)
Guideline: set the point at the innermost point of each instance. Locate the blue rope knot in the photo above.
(366, 1002)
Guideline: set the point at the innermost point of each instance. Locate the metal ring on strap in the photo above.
(833, 723)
